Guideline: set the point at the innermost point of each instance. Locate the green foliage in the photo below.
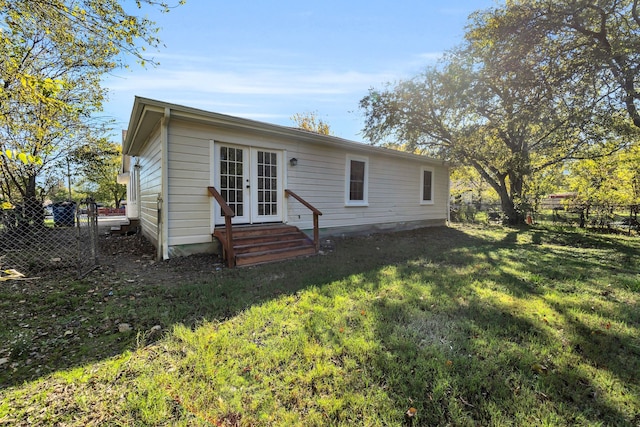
(592, 42)
(468, 186)
(99, 165)
(529, 90)
(550, 180)
(468, 325)
(312, 123)
(608, 183)
(54, 54)
(22, 157)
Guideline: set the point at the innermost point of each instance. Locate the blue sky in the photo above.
(267, 60)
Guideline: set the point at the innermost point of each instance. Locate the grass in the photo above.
(454, 326)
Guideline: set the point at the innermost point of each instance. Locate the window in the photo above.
(426, 186)
(357, 172)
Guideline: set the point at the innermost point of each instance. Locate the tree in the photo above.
(597, 40)
(54, 53)
(467, 185)
(99, 166)
(84, 35)
(507, 126)
(312, 123)
(506, 109)
(99, 170)
(608, 184)
(547, 181)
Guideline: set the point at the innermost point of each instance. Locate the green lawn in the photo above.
(454, 326)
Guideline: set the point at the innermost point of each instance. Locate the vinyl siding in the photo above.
(394, 185)
(150, 185)
(393, 189)
(189, 205)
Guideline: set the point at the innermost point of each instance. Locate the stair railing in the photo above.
(228, 214)
(316, 214)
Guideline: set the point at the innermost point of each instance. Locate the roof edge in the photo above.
(142, 105)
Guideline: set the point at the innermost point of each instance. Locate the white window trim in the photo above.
(421, 181)
(135, 182)
(347, 181)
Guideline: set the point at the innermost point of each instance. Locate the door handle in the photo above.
(248, 186)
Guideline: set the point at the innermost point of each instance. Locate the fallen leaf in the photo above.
(411, 412)
(539, 368)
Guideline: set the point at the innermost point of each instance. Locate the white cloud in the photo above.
(268, 86)
(247, 82)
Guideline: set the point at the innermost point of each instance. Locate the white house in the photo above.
(176, 158)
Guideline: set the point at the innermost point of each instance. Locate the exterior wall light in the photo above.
(293, 161)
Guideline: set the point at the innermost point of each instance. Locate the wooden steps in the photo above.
(257, 244)
(133, 227)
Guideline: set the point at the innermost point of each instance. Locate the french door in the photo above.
(250, 181)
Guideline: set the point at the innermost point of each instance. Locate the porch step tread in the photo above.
(281, 237)
(253, 258)
(258, 244)
(271, 245)
(262, 230)
(132, 227)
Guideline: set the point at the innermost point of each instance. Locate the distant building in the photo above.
(557, 201)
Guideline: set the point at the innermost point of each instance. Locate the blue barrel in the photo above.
(64, 214)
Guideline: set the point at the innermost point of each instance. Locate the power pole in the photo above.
(69, 177)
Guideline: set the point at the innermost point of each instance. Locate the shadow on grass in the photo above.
(38, 315)
(483, 362)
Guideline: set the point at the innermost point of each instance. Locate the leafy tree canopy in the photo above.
(591, 40)
(312, 123)
(508, 102)
(99, 165)
(54, 53)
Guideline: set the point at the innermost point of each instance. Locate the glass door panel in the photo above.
(234, 181)
(267, 197)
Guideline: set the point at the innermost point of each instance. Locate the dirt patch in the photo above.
(52, 320)
(134, 258)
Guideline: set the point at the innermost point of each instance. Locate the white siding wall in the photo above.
(150, 185)
(393, 189)
(189, 207)
(394, 183)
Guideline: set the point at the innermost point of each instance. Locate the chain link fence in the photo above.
(87, 226)
(38, 241)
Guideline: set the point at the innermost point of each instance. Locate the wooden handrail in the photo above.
(223, 204)
(228, 214)
(316, 214)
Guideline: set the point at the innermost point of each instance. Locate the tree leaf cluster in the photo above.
(98, 167)
(311, 122)
(54, 54)
(535, 85)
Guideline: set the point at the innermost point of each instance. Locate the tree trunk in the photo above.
(499, 184)
(33, 211)
(509, 209)
(507, 204)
